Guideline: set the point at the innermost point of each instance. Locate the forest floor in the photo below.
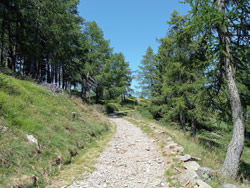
(132, 159)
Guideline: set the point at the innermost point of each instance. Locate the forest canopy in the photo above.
(49, 42)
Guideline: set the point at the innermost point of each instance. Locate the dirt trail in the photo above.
(131, 160)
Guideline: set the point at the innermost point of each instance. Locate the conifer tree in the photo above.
(147, 74)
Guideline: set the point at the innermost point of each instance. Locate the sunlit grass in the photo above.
(26, 108)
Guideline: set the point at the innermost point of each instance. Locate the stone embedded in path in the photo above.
(202, 184)
(187, 157)
(204, 173)
(187, 177)
(171, 145)
(184, 158)
(191, 165)
(179, 149)
(169, 139)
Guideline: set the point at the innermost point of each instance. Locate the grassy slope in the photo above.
(26, 108)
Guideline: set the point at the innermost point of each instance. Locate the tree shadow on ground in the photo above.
(244, 171)
(208, 143)
(247, 140)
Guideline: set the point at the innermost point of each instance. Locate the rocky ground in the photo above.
(135, 159)
(131, 160)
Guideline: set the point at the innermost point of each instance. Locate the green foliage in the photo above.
(187, 70)
(49, 42)
(26, 108)
(147, 74)
(202, 54)
(112, 107)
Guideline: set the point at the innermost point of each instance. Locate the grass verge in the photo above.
(210, 147)
(84, 163)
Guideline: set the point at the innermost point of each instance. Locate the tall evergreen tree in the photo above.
(147, 74)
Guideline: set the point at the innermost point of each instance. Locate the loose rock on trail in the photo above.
(131, 160)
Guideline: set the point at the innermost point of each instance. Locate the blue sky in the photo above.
(131, 25)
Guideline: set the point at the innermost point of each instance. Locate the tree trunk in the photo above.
(84, 88)
(182, 120)
(59, 76)
(56, 74)
(231, 164)
(2, 37)
(48, 72)
(97, 96)
(193, 127)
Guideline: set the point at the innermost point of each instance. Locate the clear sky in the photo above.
(131, 25)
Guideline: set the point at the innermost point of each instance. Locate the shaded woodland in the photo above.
(49, 42)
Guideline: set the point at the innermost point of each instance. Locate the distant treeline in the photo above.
(48, 41)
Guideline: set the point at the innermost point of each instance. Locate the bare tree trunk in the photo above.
(48, 71)
(56, 74)
(59, 75)
(2, 36)
(231, 164)
(193, 127)
(84, 88)
(182, 120)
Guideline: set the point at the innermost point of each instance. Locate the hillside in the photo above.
(29, 110)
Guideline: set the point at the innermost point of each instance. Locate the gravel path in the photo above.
(131, 160)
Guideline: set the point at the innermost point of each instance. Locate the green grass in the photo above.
(26, 108)
(83, 163)
(210, 146)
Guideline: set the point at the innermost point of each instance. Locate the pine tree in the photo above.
(147, 74)
(213, 19)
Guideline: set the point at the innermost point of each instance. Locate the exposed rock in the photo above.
(169, 139)
(187, 177)
(179, 149)
(191, 165)
(32, 140)
(179, 169)
(52, 87)
(74, 115)
(3, 129)
(184, 158)
(205, 173)
(227, 185)
(247, 152)
(195, 159)
(159, 132)
(202, 184)
(171, 145)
